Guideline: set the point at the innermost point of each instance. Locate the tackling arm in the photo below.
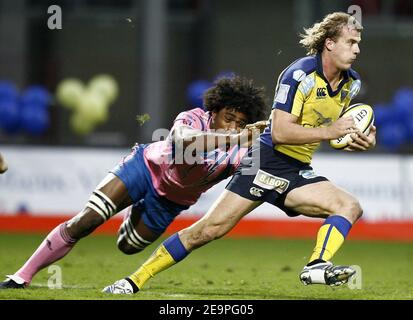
(208, 141)
(201, 140)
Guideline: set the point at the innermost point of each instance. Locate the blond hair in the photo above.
(314, 37)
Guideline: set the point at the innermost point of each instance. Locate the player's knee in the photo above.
(352, 209)
(129, 240)
(356, 209)
(100, 203)
(83, 223)
(126, 248)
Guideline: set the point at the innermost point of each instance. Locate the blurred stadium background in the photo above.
(69, 99)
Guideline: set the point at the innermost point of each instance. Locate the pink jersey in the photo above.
(184, 183)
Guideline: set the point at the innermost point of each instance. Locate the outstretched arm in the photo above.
(208, 141)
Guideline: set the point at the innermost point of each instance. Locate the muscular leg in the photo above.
(62, 239)
(224, 214)
(134, 235)
(89, 219)
(220, 219)
(340, 209)
(323, 199)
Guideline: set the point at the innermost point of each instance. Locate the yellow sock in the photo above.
(330, 237)
(166, 255)
(157, 262)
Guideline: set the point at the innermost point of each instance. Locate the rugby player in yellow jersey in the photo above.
(311, 94)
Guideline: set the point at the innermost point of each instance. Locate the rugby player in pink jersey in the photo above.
(163, 178)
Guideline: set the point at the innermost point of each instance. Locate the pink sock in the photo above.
(56, 245)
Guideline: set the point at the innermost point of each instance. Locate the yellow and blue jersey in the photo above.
(303, 91)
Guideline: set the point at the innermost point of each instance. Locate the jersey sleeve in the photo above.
(292, 91)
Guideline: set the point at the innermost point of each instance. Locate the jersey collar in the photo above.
(320, 72)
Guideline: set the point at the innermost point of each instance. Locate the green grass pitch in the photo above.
(225, 269)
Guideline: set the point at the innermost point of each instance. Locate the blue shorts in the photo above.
(278, 174)
(157, 212)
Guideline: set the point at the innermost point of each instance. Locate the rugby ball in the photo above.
(363, 116)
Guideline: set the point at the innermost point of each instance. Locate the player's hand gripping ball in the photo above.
(363, 116)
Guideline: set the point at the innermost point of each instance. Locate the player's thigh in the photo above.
(110, 197)
(145, 232)
(223, 215)
(148, 219)
(322, 199)
(116, 190)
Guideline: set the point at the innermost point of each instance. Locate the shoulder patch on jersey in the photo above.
(282, 93)
(299, 75)
(354, 88)
(307, 84)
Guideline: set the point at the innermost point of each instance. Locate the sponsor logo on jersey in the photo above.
(321, 93)
(308, 174)
(256, 191)
(321, 120)
(270, 182)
